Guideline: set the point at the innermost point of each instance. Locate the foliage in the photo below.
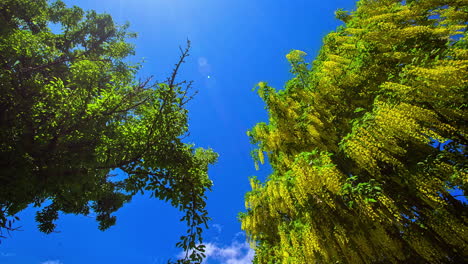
(367, 142)
(73, 113)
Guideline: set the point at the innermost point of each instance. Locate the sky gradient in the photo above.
(235, 44)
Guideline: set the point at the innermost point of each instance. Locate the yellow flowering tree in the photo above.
(368, 143)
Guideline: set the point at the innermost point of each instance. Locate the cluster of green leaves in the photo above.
(369, 190)
(72, 113)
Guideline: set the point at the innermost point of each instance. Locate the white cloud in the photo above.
(236, 253)
(218, 227)
(52, 262)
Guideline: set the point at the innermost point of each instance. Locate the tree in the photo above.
(368, 142)
(73, 114)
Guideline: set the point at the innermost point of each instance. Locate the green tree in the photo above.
(72, 113)
(367, 142)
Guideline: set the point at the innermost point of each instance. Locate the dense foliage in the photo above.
(72, 114)
(368, 143)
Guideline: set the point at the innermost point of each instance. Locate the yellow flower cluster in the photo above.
(296, 56)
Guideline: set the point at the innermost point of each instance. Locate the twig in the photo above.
(184, 54)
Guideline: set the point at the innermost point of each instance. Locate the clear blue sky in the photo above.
(235, 44)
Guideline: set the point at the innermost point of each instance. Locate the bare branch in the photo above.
(184, 54)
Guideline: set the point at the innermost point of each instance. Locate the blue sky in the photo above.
(235, 44)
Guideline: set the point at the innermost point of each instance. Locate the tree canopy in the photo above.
(72, 114)
(368, 143)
